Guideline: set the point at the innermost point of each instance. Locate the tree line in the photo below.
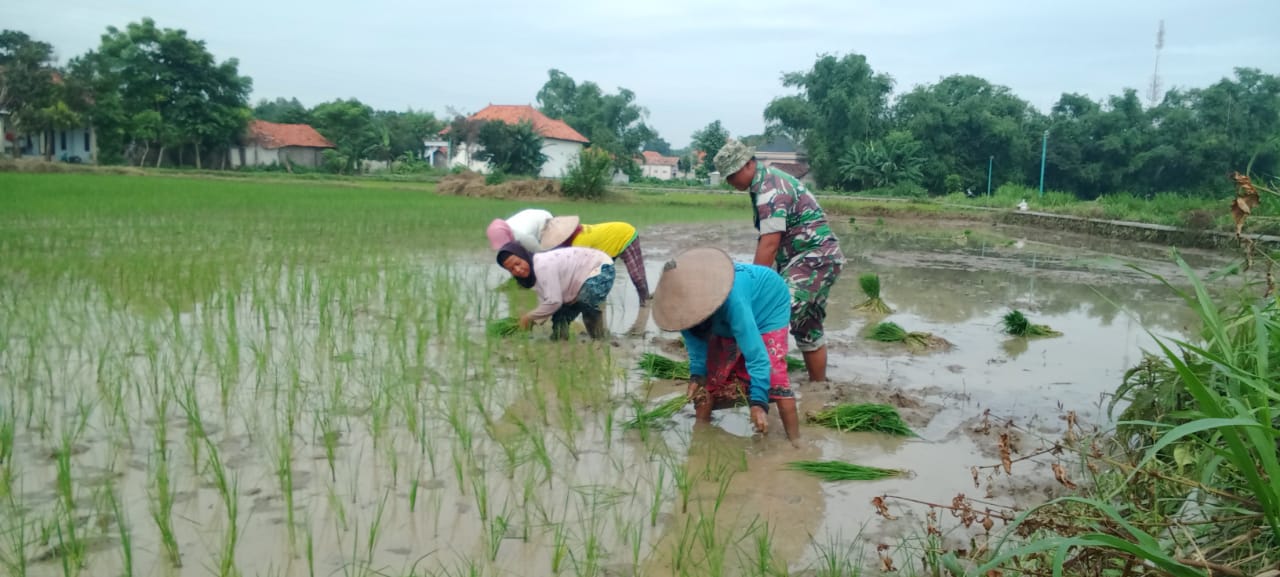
(942, 138)
(155, 96)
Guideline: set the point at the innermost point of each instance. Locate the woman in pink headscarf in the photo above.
(524, 227)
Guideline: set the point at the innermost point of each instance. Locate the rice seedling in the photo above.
(862, 417)
(832, 471)
(870, 284)
(1016, 324)
(891, 332)
(375, 527)
(496, 531)
(124, 530)
(228, 488)
(662, 412)
(284, 475)
(839, 557)
(504, 327)
(655, 506)
(559, 547)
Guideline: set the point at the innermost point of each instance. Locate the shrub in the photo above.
(953, 183)
(589, 175)
(495, 176)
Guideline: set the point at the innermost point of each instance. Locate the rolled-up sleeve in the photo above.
(772, 206)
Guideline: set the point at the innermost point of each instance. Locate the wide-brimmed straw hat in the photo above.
(558, 230)
(692, 286)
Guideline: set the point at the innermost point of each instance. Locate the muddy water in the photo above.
(408, 442)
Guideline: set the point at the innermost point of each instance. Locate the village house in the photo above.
(77, 144)
(560, 143)
(654, 165)
(267, 143)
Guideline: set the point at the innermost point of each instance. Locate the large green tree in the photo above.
(612, 122)
(161, 84)
(710, 139)
(284, 111)
(964, 121)
(841, 102)
(349, 125)
(511, 148)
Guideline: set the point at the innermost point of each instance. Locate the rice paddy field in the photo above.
(205, 377)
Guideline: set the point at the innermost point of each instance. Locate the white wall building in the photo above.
(654, 165)
(266, 143)
(560, 142)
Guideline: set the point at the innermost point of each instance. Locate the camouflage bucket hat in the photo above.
(732, 157)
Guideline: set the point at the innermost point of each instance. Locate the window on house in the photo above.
(86, 140)
(64, 140)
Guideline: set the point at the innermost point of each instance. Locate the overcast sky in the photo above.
(688, 61)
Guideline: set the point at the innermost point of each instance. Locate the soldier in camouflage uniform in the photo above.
(795, 239)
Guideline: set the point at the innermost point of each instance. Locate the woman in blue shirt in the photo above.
(734, 318)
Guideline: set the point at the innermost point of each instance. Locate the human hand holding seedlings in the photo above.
(760, 419)
(697, 392)
(526, 321)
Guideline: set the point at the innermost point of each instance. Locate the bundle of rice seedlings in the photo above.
(871, 287)
(503, 327)
(841, 471)
(663, 412)
(1017, 324)
(794, 364)
(660, 367)
(891, 332)
(863, 417)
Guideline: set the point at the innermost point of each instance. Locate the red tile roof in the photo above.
(542, 124)
(273, 135)
(654, 159)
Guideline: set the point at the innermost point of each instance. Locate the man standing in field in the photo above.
(795, 240)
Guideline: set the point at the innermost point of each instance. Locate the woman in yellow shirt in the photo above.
(616, 239)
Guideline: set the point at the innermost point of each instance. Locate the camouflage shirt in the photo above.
(784, 205)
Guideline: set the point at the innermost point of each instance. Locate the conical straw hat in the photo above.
(558, 230)
(692, 287)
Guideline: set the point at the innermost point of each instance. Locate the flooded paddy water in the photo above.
(329, 421)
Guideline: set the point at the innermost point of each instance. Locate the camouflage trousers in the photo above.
(810, 281)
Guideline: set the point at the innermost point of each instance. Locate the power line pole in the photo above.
(1153, 95)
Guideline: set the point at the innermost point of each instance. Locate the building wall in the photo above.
(660, 172)
(76, 142)
(253, 155)
(561, 154)
(301, 156)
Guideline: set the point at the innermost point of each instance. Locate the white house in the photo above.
(266, 143)
(71, 145)
(654, 165)
(560, 143)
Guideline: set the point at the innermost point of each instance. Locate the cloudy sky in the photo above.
(688, 61)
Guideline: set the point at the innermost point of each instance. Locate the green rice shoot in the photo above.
(832, 471)
(659, 367)
(1018, 325)
(503, 327)
(891, 332)
(866, 417)
(658, 414)
(870, 284)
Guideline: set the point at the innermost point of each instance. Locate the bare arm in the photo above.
(767, 249)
